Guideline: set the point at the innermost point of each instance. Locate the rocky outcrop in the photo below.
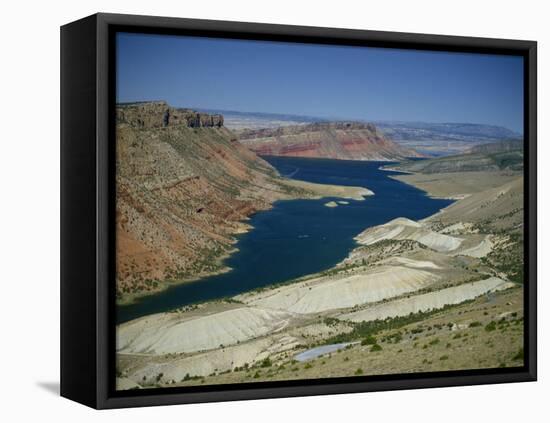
(184, 185)
(335, 140)
(158, 114)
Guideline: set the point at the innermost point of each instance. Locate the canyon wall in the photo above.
(335, 140)
(183, 188)
(158, 114)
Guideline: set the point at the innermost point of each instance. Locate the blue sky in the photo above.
(322, 81)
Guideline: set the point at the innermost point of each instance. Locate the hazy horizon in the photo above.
(321, 81)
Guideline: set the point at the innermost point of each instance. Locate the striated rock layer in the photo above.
(335, 140)
(184, 186)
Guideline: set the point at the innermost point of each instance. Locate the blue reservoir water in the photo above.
(298, 237)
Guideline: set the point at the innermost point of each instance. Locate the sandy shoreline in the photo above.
(402, 178)
(326, 190)
(132, 298)
(313, 191)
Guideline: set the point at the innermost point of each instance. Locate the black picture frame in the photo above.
(87, 209)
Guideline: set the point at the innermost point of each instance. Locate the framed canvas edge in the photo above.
(78, 277)
(105, 397)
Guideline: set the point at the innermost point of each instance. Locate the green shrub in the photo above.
(491, 326)
(395, 338)
(369, 340)
(444, 357)
(266, 362)
(375, 348)
(475, 324)
(330, 321)
(359, 371)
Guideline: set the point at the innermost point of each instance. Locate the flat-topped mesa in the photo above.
(158, 114)
(311, 127)
(344, 140)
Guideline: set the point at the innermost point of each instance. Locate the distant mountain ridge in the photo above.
(248, 120)
(262, 115)
(468, 132)
(396, 130)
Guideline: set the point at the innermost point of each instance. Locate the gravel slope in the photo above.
(328, 293)
(431, 300)
(170, 332)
